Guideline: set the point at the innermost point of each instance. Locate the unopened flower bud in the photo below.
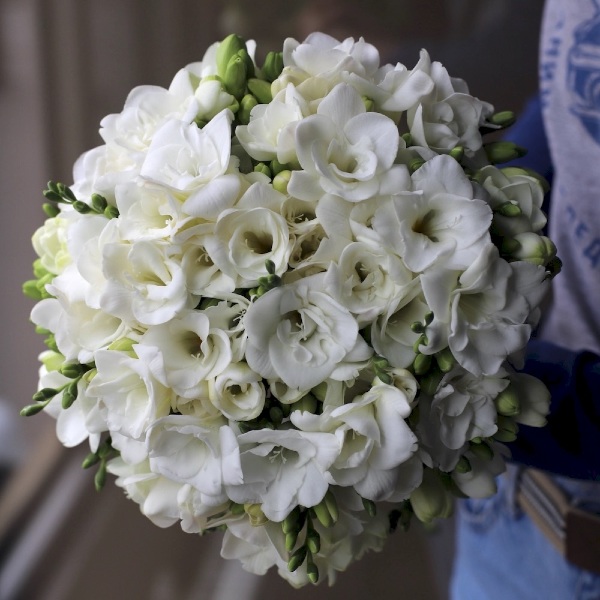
(226, 50)
(445, 360)
(312, 572)
(69, 395)
(422, 363)
(509, 209)
(264, 169)
(247, 103)
(431, 500)
(273, 66)
(507, 402)
(51, 210)
(297, 559)
(482, 450)
(501, 152)
(463, 465)
(281, 181)
(534, 248)
(502, 119)
(236, 75)
(457, 153)
(507, 429)
(261, 89)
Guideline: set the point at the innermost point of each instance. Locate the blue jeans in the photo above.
(502, 555)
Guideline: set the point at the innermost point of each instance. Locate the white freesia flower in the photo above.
(534, 399)
(439, 221)
(157, 496)
(299, 334)
(146, 109)
(391, 333)
(50, 244)
(375, 440)
(482, 314)
(464, 405)
(365, 280)
(238, 392)
(185, 352)
(480, 481)
(270, 134)
(346, 151)
(184, 451)
(516, 187)
(283, 469)
(132, 396)
(145, 213)
(245, 238)
(211, 98)
(83, 420)
(144, 285)
(449, 116)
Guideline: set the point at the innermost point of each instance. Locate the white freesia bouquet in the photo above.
(288, 302)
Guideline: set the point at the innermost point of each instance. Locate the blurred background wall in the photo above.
(64, 64)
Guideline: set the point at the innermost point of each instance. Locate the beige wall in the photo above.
(66, 63)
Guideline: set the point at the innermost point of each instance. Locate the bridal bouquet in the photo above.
(288, 302)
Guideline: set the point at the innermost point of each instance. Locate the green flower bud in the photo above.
(313, 540)
(38, 269)
(501, 152)
(507, 402)
(416, 164)
(332, 506)
(90, 460)
(312, 572)
(291, 537)
(502, 119)
(417, 327)
(509, 246)
(463, 465)
(430, 381)
(73, 370)
(297, 559)
(323, 515)
(227, 49)
(482, 450)
(99, 203)
(407, 139)
(45, 394)
(273, 66)
(236, 75)
(507, 429)
(422, 364)
(100, 477)
(534, 248)
(51, 210)
(261, 89)
(509, 209)
(32, 409)
(457, 153)
(445, 360)
(247, 103)
(370, 507)
(277, 167)
(31, 290)
(262, 168)
(290, 523)
(281, 181)
(69, 395)
(82, 207)
(431, 500)
(111, 212)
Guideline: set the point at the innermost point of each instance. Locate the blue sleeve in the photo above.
(570, 444)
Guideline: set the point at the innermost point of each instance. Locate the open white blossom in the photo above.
(299, 334)
(346, 151)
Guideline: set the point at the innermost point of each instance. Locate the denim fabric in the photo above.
(502, 555)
